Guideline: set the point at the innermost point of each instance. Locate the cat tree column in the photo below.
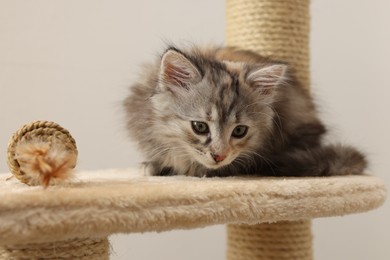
(280, 29)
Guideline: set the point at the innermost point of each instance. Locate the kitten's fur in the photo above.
(231, 91)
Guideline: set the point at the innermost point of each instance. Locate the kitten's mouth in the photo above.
(213, 162)
(217, 165)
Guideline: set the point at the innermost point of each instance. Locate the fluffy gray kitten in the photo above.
(223, 112)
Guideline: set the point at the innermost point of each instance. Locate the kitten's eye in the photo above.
(240, 131)
(200, 128)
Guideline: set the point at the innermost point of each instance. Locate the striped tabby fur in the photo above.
(223, 112)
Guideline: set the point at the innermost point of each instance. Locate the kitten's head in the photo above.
(213, 111)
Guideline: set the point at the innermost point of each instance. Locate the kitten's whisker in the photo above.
(264, 159)
(158, 152)
(278, 123)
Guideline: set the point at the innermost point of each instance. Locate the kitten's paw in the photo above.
(147, 169)
(154, 169)
(350, 161)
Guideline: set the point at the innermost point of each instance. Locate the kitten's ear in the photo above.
(266, 79)
(177, 70)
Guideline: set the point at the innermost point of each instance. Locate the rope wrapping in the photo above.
(96, 249)
(278, 29)
(275, 28)
(284, 240)
(46, 131)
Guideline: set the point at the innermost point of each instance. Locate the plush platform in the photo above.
(100, 203)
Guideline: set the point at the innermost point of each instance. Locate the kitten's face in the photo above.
(214, 117)
(215, 139)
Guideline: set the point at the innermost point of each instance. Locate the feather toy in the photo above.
(45, 162)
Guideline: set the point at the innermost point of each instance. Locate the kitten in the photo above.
(224, 112)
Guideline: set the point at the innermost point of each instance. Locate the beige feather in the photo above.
(45, 162)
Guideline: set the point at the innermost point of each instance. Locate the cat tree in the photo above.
(74, 220)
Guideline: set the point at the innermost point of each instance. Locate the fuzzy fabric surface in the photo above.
(100, 203)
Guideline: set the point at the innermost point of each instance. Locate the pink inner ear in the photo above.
(266, 79)
(176, 75)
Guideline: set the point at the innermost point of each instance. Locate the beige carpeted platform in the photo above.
(100, 203)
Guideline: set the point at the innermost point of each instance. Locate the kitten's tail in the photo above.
(324, 160)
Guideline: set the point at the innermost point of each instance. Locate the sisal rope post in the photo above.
(96, 249)
(280, 241)
(276, 28)
(279, 29)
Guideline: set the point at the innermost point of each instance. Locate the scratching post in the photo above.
(276, 28)
(96, 249)
(284, 240)
(279, 29)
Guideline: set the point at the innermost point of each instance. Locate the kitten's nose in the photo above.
(218, 158)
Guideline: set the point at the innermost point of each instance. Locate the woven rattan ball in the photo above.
(44, 131)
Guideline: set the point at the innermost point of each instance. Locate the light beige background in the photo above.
(72, 61)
